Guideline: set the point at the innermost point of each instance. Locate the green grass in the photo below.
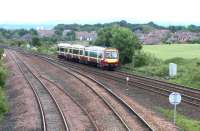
(3, 98)
(163, 51)
(3, 103)
(188, 70)
(185, 123)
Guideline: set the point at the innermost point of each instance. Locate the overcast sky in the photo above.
(100, 11)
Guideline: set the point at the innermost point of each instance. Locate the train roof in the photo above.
(64, 44)
(77, 46)
(95, 48)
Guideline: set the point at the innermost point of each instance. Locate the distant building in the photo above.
(152, 37)
(26, 37)
(84, 35)
(45, 33)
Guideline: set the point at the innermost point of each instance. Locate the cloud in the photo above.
(79, 11)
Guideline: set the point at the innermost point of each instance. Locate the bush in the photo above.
(158, 70)
(1, 53)
(177, 60)
(3, 102)
(3, 75)
(144, 59)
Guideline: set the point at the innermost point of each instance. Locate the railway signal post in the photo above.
(175, 99)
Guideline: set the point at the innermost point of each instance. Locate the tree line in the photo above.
(143, 27)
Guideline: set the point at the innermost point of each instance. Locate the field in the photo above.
(187, 51)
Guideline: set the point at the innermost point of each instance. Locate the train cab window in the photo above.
(62, 49)
(111, 54)
(81, 52)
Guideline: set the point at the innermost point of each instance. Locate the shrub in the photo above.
(143, 59)
(3, 102)
(3, 75)
(1, 53)
(177, 60)
(158, 70)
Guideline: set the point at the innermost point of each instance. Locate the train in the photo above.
(102, 57)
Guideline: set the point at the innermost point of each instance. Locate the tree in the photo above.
(104, 37)
(70, 36)
(33, 32)
(193, 28)
(121, 38)
(36, 41)
(21, 32)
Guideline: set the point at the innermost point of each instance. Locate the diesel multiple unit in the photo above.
(101, 56)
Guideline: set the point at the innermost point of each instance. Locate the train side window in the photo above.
(58, 49)
(70, 50)
(62, 49)
(86, 53)
(66, 50)
(75, 51)
(81, 52)
(93, 54)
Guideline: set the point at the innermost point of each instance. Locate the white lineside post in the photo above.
(175, 99)
(172, 69)
(175, 114)
(127, 79)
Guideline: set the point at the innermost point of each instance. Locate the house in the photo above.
(153, 37)
(184, 36)
(45, 33)
(84, 35)
(26, 37)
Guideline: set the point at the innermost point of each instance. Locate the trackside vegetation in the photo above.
(3, 99)
(149, 65)
(185, 123)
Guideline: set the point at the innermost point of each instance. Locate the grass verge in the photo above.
(3, 97)
(187, 69)
(185, 123)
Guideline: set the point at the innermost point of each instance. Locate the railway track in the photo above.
(52, 117)
(71, 97)
(190, 96)
(115, 97)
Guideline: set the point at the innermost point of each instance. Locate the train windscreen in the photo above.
(111, 54)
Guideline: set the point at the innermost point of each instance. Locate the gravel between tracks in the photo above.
(158, 122)
(76, 118)
(130, 119)
(103, 117)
